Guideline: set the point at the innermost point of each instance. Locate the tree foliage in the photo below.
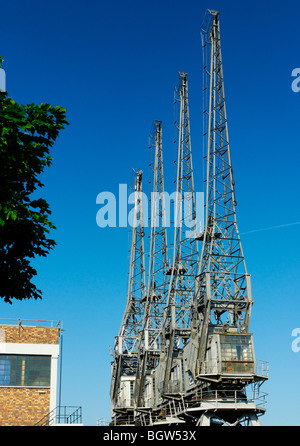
(27, 133)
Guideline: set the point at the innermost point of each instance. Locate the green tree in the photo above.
(27, 133)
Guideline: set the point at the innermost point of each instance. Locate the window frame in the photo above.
(236, 353)
(26, 370)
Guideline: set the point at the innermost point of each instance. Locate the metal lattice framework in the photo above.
(177, 324)
(224, 295)
(187, 337)
(127, 341)
(220, 356)
(150, 342)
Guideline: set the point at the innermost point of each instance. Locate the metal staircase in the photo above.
(62, 415)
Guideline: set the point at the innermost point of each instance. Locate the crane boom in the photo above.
(220, 357)
(224, 295)
(150, 344)
(124, 366)
(177, 322)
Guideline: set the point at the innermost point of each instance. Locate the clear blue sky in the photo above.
(113, 66)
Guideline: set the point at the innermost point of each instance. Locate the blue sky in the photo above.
(113, 66)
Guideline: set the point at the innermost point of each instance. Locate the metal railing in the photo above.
(124, 420)
(36, 322)
(216, 399)
(62, 415)
(219, 397)
(262, 368)
(259, 368)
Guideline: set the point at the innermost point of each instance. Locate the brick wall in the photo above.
(25, 406)
(21, 406)
(29, 335)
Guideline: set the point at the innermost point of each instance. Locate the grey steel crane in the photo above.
(220, 361)
(191, 341)
(150, 341)
(124, 365)
(177, 320)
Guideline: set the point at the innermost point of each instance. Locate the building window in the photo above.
(25, 370)
(4, 372)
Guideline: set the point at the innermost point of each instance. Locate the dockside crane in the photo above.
(177, 318)
(124, 365)
(185, 346)
(220, 361)
(150, 341)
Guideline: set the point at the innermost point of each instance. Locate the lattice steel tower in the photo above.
(188, 338)
(124, 365)
(151, 334)
(220, 361)
(177, 321)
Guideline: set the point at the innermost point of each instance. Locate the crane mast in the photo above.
(223, 360)
(177, 321)
(224, 295)
(222, 271)
(150, 343)
(124, 366)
